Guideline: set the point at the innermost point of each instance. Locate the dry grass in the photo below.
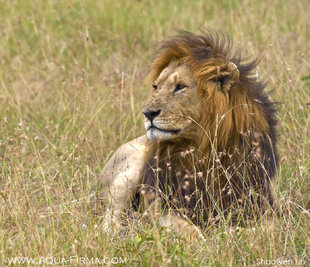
(71, 91)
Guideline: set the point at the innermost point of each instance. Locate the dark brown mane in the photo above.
(232, 156)
(200, 51)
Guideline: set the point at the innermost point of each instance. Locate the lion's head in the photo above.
(201, 88)
(207, 99)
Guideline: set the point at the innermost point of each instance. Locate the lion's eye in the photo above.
(179, 87)
(154, 87)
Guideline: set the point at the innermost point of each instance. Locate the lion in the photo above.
(210, 148)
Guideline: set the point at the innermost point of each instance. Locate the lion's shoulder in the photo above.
(126, 162)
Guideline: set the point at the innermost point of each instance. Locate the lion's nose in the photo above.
(151, 114)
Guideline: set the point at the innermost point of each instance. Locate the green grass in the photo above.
(71, 91)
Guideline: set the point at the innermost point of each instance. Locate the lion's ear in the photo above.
(228, 76)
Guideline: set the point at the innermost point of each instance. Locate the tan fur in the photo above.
(121, 177)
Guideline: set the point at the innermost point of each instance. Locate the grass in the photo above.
(71, 92)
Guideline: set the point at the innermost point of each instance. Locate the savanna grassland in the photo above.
(71, 91)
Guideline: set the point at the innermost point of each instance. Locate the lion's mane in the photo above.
(231, 158)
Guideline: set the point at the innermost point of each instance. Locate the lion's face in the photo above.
(175, 104)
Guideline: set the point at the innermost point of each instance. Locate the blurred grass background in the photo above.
(71, 91)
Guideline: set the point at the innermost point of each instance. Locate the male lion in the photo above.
(210, 147)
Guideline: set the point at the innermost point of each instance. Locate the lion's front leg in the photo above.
(122, 175)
